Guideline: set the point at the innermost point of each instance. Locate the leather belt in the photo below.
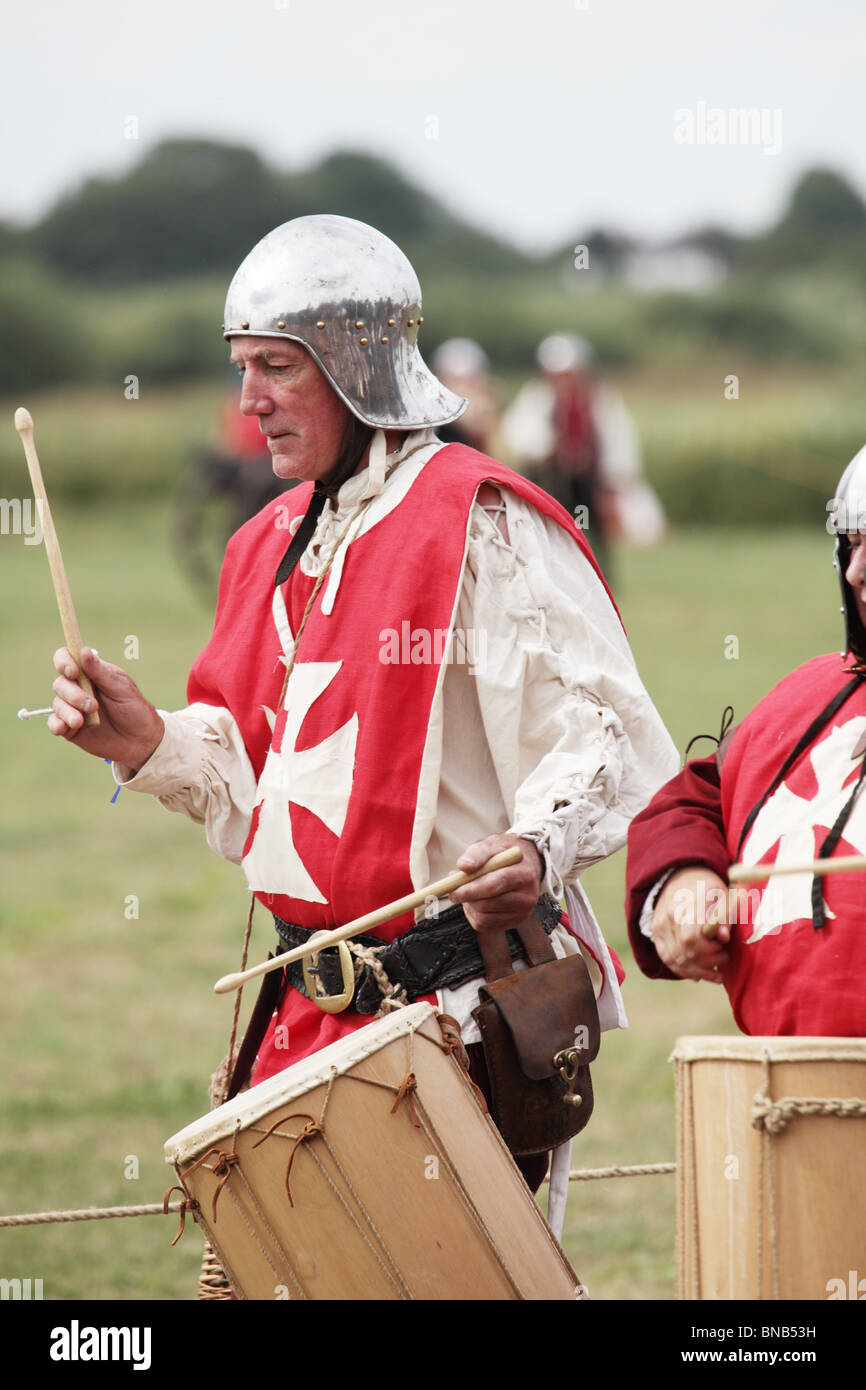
(432, 955)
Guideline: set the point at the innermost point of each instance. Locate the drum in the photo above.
(369, 1171)
(771, 1155)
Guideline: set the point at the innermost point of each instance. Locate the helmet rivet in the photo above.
(383, 340)
(320, 324)
(245, 325)
(420, 320)
(282, 323)
(364, 342)
(411, 323)
(358, 323)
(391, 323)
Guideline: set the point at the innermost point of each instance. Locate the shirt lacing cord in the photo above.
(524, 614)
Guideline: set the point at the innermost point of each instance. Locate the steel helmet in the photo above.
(352, 298)
(847, 515)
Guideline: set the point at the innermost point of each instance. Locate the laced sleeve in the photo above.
(577, 744)
(201, 770)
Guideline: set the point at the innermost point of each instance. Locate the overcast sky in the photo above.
(535, 120)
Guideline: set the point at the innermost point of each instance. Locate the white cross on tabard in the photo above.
(318, 778)
(793, 820)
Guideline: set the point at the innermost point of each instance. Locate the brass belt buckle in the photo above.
(566, 1064)
(330, 1003)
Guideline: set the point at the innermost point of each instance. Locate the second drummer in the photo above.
(785, 787)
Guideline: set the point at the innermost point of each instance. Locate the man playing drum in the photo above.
(415, 662)
(784, 788)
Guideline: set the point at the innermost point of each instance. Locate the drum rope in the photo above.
(773, 1115)
(310, 1130)
(212, 1279)
(766, 1163)
(687, 1204)
(257, 1240)
(679, 1232)
(432, 1136)
(227, 1066)
(221, 1169)
(393, 1274)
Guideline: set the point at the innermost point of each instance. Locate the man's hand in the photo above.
(504, 898)
(690, 897)
(129, 728)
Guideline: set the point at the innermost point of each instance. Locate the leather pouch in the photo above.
(540, 1030)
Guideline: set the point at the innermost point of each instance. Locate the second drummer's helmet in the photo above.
(847, 516)
(352, 298)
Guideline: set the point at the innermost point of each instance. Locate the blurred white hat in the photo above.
(564, 352)
(460, 357)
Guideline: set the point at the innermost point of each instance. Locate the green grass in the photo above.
(109, 1028)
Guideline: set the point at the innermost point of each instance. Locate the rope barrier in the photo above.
(45, 1218)
(634, 1170)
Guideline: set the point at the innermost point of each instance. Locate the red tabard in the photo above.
(332, 827)
(785, 977)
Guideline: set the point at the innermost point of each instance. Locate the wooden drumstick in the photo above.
(714, 920)
(440, 889)
(753, 873)
(24, 426)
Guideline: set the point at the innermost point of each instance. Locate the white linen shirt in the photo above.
(550, 735)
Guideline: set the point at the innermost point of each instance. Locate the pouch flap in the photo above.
(547, 1009)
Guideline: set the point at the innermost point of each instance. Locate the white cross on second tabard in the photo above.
(318, 778)
(792, 821)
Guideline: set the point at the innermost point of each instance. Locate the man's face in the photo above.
(855, 574)
(299, 411)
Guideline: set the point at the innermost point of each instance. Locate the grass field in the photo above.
(109, 1028)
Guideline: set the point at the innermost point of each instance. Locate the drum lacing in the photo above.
(424, 1123)
(187, 1204)
(377, 1245)
(310, 1130)
(408, 1087)
(213, 1284)
(225, 1161)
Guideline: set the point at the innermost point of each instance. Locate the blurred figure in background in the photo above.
(464, 367)
(575, 437)
(231, 478)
